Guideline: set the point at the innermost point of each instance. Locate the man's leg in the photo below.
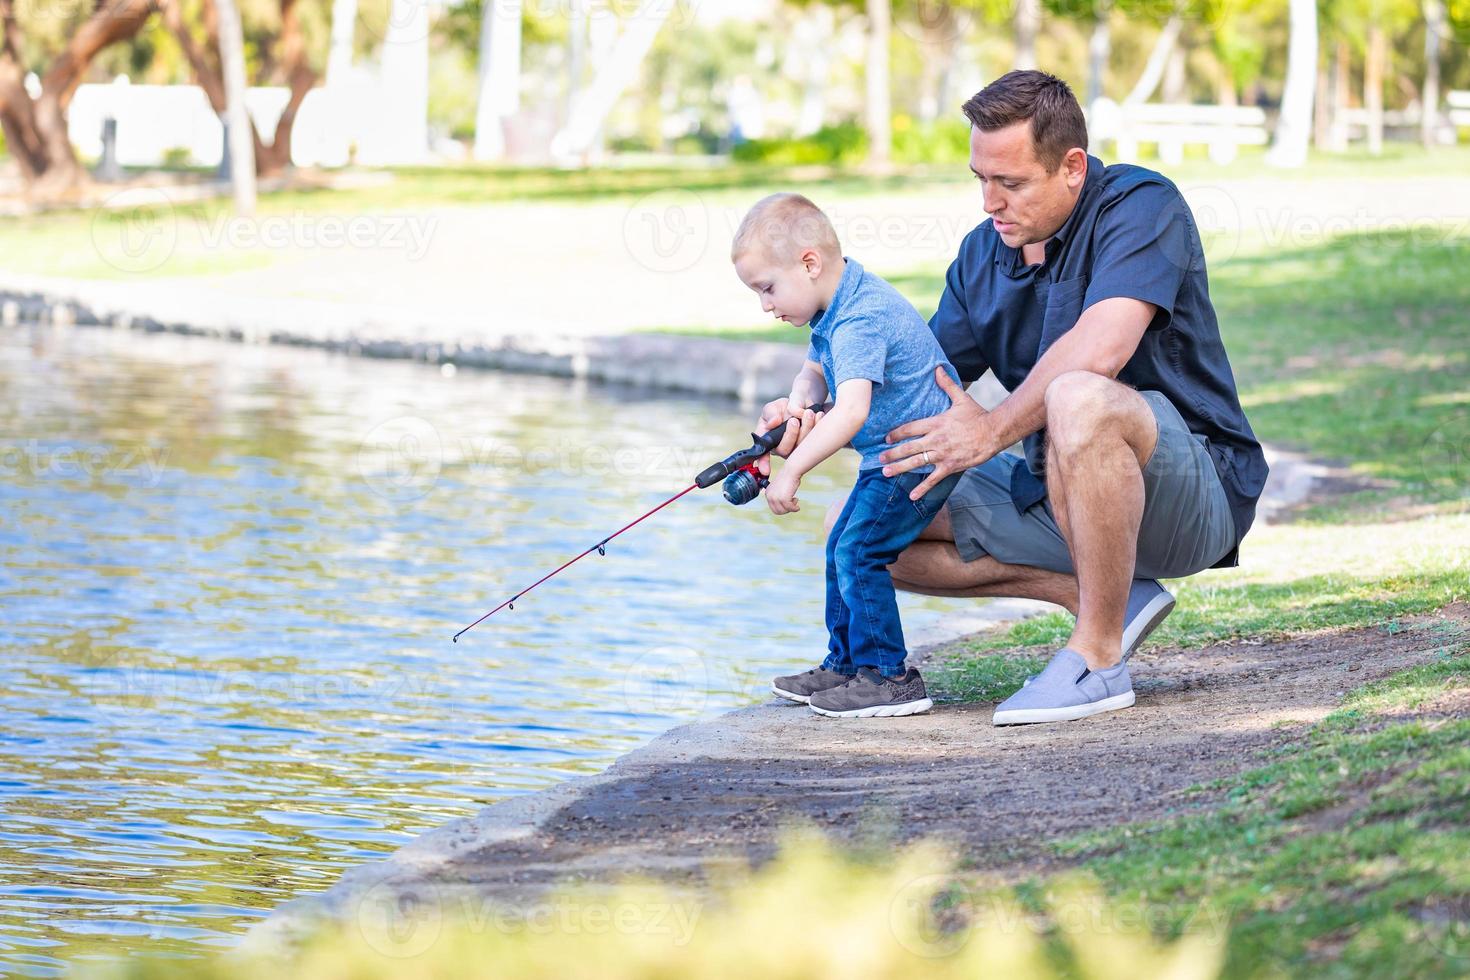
(932, 566)
(1100, 434)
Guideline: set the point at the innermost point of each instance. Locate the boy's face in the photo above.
(787, 290)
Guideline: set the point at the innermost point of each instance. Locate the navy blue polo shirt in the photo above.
(1130, 234)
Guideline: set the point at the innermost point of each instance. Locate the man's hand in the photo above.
(781, 494)
(954, 441)
(775, 413)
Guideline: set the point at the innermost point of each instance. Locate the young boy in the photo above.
(875, 353)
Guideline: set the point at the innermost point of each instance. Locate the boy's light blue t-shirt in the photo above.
(870, 331)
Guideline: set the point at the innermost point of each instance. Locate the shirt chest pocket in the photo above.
(1063, 307)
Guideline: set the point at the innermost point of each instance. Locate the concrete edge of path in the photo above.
(751, 371)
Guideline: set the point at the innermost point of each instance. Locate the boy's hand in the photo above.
(781, 494)
(773, 415)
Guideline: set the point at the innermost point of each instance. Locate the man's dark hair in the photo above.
(1056, 119)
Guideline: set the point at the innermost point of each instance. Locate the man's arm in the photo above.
(1105, 337)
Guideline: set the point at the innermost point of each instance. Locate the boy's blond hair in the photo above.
(782, 226)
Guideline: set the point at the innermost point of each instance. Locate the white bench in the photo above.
(1459, 108)
(1223, 129)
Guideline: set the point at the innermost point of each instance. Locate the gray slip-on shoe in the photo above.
(1149, 604)
(801, 687)
(871, 695)
(1065, 691)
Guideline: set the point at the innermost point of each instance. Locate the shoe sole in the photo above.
(1072, 712)
(880, 710)
(1158, 610)
(790, 696)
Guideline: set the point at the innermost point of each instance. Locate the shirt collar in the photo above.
(1010, 258)
(824, 321)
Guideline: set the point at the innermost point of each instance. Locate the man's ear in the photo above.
(811, 260)
(1075, 164)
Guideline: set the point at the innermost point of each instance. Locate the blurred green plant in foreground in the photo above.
(811, 912)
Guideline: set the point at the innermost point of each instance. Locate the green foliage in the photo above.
(834, 145)
(942, 141)
(817, 910)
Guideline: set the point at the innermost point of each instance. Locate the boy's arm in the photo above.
(836, 428)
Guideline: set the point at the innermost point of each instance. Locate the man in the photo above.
(1086, 293)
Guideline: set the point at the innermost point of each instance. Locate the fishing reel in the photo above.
(744, 485)
(743, 481)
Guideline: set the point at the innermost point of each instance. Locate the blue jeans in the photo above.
(878, 522)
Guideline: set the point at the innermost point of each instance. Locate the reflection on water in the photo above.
(229, 578)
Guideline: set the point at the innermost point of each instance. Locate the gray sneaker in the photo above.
(801, 687)
(871, 695)
(1149, 604)
(1067, 690)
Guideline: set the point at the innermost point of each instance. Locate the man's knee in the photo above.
(1083, 405)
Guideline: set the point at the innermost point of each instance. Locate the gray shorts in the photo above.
(1186, 527)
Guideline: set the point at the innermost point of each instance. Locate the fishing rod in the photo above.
(743, 483)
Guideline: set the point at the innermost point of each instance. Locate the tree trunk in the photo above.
(816, 26)
(339, 55)
(35, 128)
(500, 76)
(941, 35)
(576, 56)
(1322, 108)
(1429, 98)
(879, 106)
(205, 61)
(1294, 126)
(616, 69)
(1373, 69)
(1176, 78)
(276, 157)
(241, 146)
(1337, 136)
(1028, 25)
(1158, 60)
(1099, 46)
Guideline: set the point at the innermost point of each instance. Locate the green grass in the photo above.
(777, 333)
(1347, 854)
(981, 678)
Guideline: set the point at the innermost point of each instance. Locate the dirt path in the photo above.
(724, 789)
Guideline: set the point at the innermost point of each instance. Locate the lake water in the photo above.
(228, 580)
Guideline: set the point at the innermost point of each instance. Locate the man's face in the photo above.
(1026, 203)
(787, 290)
